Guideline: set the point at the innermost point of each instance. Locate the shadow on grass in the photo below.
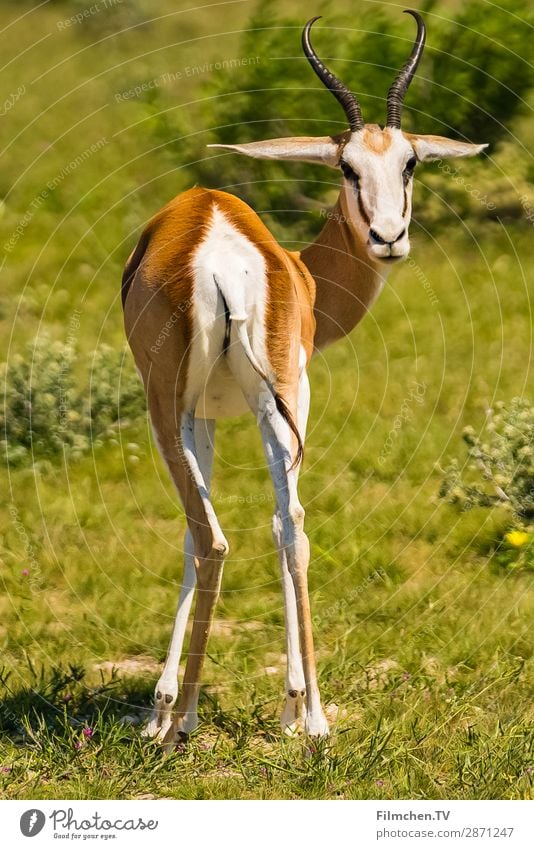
(53, 695)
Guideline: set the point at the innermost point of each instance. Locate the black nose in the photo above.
(376, 237)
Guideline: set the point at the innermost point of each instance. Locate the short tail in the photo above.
(240, 319)
(133, 263)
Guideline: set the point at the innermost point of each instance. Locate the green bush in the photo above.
(500, 467)
(46, 410)
(116, 393)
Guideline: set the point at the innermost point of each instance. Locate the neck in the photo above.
(348, 281)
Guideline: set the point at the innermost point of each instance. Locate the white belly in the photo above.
(222, 397)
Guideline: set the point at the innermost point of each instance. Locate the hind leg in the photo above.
(178, 446)
(210, 549)
(166, 691)
(172, 399)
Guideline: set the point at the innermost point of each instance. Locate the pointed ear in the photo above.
(428, 148)
(324, 150)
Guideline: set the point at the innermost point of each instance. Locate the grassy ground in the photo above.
(424, 643)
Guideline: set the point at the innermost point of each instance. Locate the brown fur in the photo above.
(161, 263)
(376, 139)
(345, 275)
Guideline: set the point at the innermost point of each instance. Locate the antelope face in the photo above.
(378, 166)
(377, 163)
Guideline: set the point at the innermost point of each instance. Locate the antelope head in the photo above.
(377, 162)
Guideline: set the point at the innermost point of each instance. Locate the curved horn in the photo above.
(399, 87)
(340, 91)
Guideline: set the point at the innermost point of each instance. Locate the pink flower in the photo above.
(25, 572)
(78, 744)
(6, 769)
(379, 782)
(87, 732)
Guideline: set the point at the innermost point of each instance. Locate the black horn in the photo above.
(340, 91)
(399, 88)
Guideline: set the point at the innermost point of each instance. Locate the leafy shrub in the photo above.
(500, 470)
(116, 393)
(46, 410)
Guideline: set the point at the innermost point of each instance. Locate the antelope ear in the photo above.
(428, 148)
(324, 150)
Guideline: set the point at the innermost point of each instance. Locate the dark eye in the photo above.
(348, 173)
(409, 168)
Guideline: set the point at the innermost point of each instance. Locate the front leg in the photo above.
(277, 442)
(294, 713)
(293, 717)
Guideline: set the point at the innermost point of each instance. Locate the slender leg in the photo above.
(277, 444)
(166, 691)
(293, 715)
(210, 549)
(209, 575)
(172, 390)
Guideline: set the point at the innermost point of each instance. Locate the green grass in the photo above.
(424, 642)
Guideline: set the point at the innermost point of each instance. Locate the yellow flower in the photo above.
(517, 538)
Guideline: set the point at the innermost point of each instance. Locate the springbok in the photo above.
(221, 319)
